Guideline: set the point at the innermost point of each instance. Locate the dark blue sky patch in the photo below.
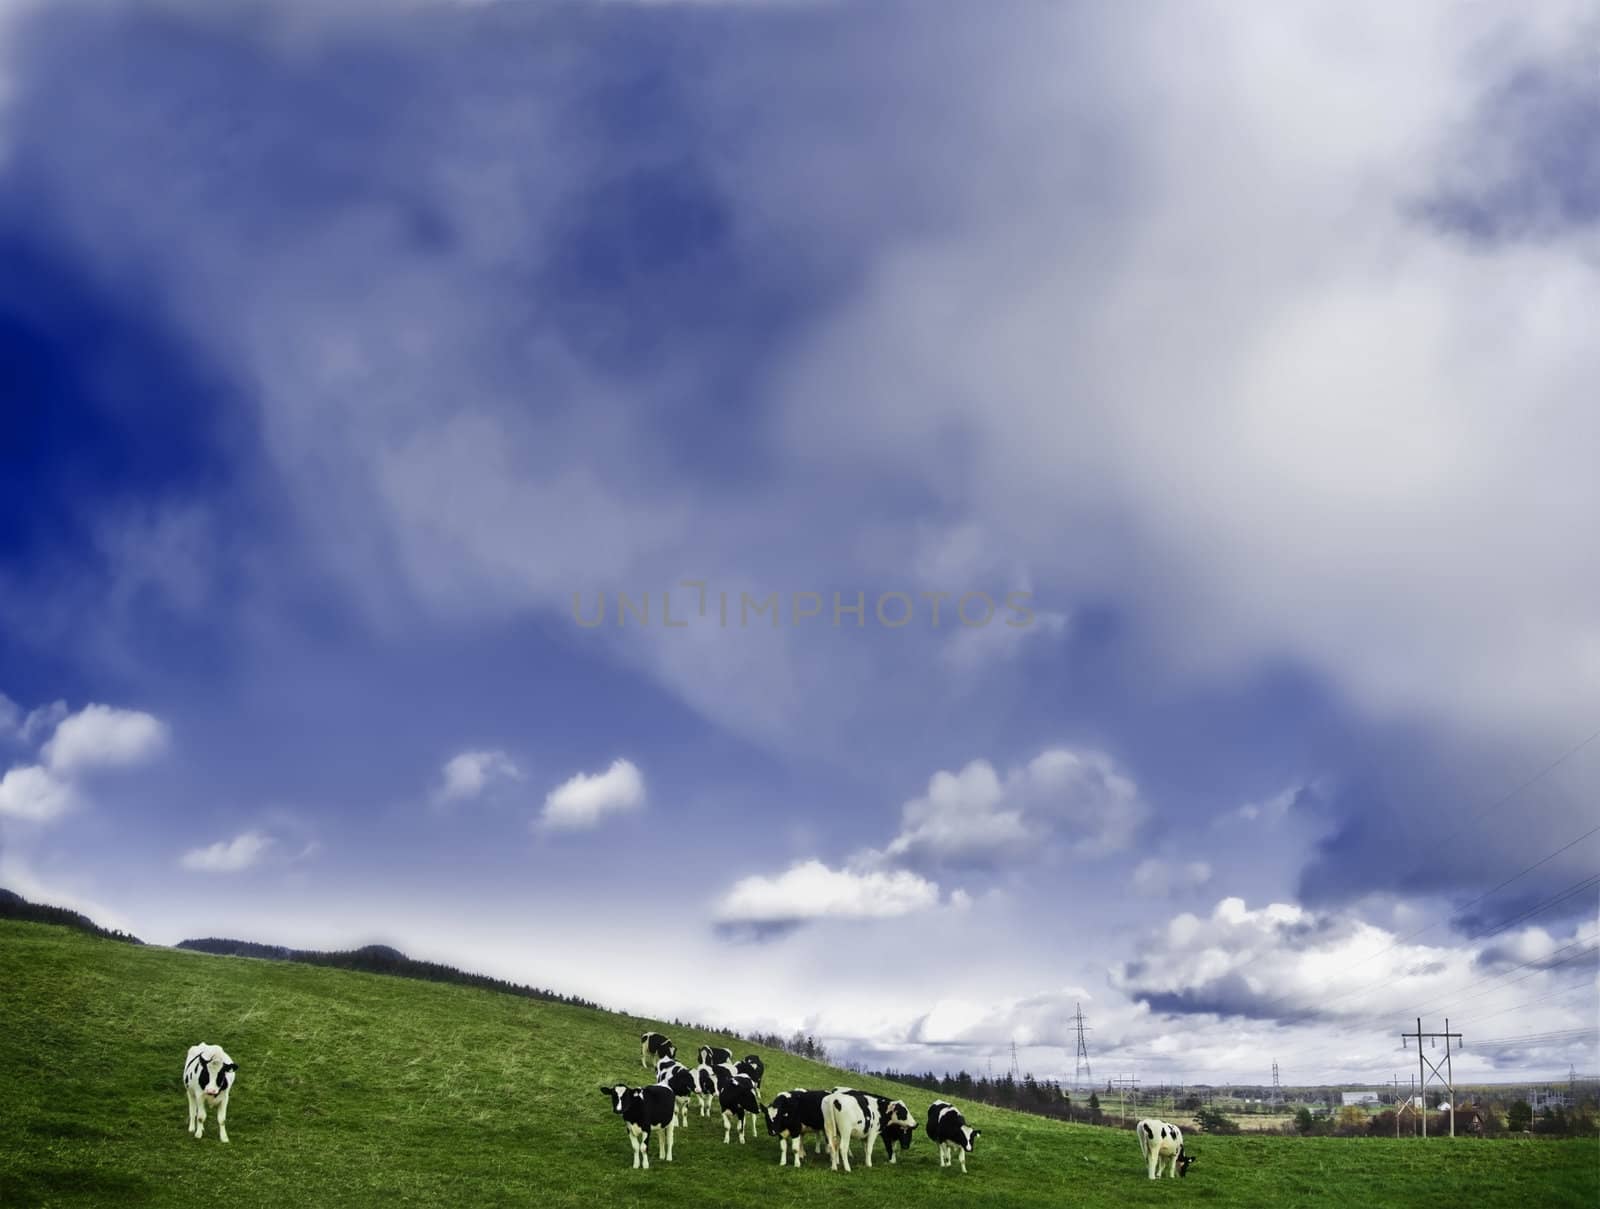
(1530, 169)
(103, 409)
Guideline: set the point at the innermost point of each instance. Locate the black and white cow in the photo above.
(653, 1046)
(896, 1132)
(674, 1074)
(751, 1065)
(644, 1109)
(705, 1086)
(208, 1077)
(789, 1116)
(1162, 1145)
(949, 1128)
(848, 1114)
(714, 1055)
(737, 1095)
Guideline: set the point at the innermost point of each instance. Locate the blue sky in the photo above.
(349, 361)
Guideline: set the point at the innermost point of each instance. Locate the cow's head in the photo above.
(617, 1093)
(969, 1135)
(1183, 1161)
(779, 1112)
(214, 1073)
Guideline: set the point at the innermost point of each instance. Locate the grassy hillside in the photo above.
(359, 1089)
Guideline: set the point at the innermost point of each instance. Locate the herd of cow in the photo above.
(840, 1114)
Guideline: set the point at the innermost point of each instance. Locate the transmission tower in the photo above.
(1081, 1069)
(1016, 1073)
(1277, 1089)
(1427, 1068)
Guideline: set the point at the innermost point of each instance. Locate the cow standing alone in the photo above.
(1161, 1143)
(208, 1076)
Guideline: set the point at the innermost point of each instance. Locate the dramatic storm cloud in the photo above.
(977, 471)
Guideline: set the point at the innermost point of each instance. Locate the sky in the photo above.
(808, 516)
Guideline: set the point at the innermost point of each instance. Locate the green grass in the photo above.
(357, 1089)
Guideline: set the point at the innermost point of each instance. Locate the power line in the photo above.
(1543, 968)
(1540, 999)
(1534, 779)
(1472, 820)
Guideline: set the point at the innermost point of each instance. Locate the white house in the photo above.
(1358, 1098)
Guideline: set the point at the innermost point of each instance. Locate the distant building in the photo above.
(1357, 1098)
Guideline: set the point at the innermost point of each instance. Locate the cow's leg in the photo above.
(200, 1115)
(188, 1094)
(1155, 1162)
(872, 1138)
(727, 1126)
(222, 1116)
(963, 1155)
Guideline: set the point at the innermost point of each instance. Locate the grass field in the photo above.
(358, 1089)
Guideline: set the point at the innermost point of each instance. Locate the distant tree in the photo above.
(1519, 1117)
(1190, 1103)
(1211, 1120)
(1094, 1108)
(1303, 1121)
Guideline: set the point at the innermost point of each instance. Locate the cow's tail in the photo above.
(832, 1111)
(1144, 1142)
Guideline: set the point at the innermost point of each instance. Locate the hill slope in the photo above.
(360, 1089)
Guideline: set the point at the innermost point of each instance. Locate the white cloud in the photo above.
(975, 818)
(811, 890)
(585, 799)
(470, 773)
(228, 856)
(1157, 878)
(1283, 962)
(103, 736)
(97, 736)
(33, 793)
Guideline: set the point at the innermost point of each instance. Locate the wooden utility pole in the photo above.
(1424, 1066)
(1122, 1105)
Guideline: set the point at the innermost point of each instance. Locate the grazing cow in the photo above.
(674, 1074)
(714, 1055)
(737, 1096)
(898, 1133)
(949, 1128)
(643, 1109)
(1162, 1145)
(705, 1080)
(847, 1114)
(751, 1065)
(654, 1045)
(789, 1115)
(208, 1077)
